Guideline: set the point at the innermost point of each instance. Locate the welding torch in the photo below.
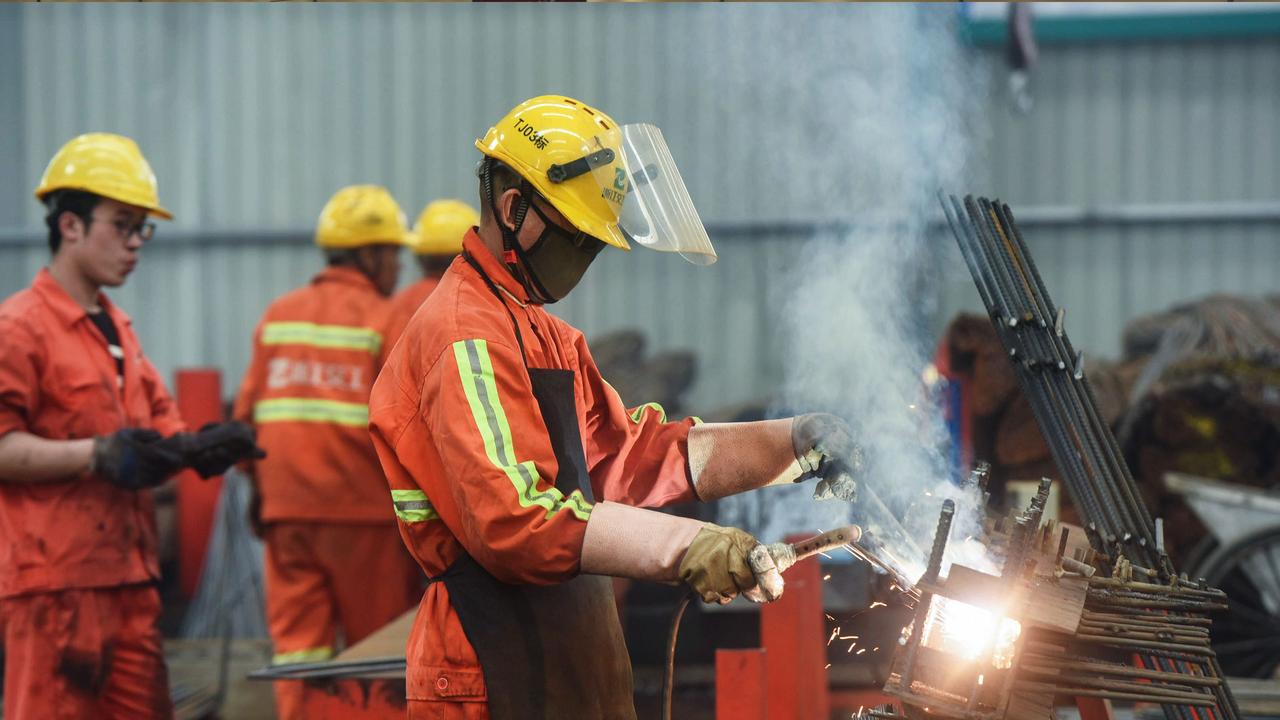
(768, 562)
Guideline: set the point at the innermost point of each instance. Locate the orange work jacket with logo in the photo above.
(470, 465)
(407, 301)
(316, 352)
(59, 381)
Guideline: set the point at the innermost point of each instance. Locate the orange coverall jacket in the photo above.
(459, 486)
(316, 352)
(57, 381)
(407, 301)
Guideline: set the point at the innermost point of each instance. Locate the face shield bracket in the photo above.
(562, 172)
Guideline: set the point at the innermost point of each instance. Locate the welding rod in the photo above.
(1156, 697)
(1052, 663)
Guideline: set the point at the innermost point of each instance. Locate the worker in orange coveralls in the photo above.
(333, 558)
(83, 423)
(518, 477)
(436, 241)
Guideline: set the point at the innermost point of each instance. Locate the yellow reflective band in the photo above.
(322, 336)
(637, 416)
(301, 656)
(481, 390)
(412, 506)
(308, 410)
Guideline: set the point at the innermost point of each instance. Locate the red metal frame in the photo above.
(791, 633)
(741, 685)
(199, 397)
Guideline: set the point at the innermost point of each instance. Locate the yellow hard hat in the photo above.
(441, 225)
(104, 164)
(360, 215)
(572, 155)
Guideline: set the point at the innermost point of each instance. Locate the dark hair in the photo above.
(78, 202)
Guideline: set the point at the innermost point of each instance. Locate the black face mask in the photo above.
(557, 261)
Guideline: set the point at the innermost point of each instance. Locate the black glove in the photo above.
(134, 458)
(216, 447)
(824, 446)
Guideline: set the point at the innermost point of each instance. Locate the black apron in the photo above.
(553, 651)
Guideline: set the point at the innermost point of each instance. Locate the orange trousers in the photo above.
(322, 577)
(84, 654)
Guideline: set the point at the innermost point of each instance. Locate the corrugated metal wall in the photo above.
(1138, 124)
(252, 115)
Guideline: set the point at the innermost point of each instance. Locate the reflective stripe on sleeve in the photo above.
(637, 415)
(317, 654)
(322, 336)
(412, 506)
(309, 410)
(476, 372)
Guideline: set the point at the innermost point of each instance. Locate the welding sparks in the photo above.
(877, 604)
(851, 647)
(829, 617)
(828, 667)
(860, 651)
(827, 576)
(834, 633)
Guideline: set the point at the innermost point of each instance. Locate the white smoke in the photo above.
(875, 116)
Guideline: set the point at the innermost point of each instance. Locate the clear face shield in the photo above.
(656, 211)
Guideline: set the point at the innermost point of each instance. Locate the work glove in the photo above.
(716, 564)
(215, 448)
(824, 445)
(218, 446)
(133, 459)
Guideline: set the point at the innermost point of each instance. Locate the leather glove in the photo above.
(824, 445)
(716, 564)
(215, 448)
(134, 458)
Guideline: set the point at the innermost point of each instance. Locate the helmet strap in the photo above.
(512, 254)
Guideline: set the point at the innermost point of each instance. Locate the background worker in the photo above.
(333, 557)
(436, 241)
(83, 423)
(518, 476)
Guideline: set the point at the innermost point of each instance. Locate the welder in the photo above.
(519, 478)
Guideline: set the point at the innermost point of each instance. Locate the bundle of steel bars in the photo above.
(1051, 374)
